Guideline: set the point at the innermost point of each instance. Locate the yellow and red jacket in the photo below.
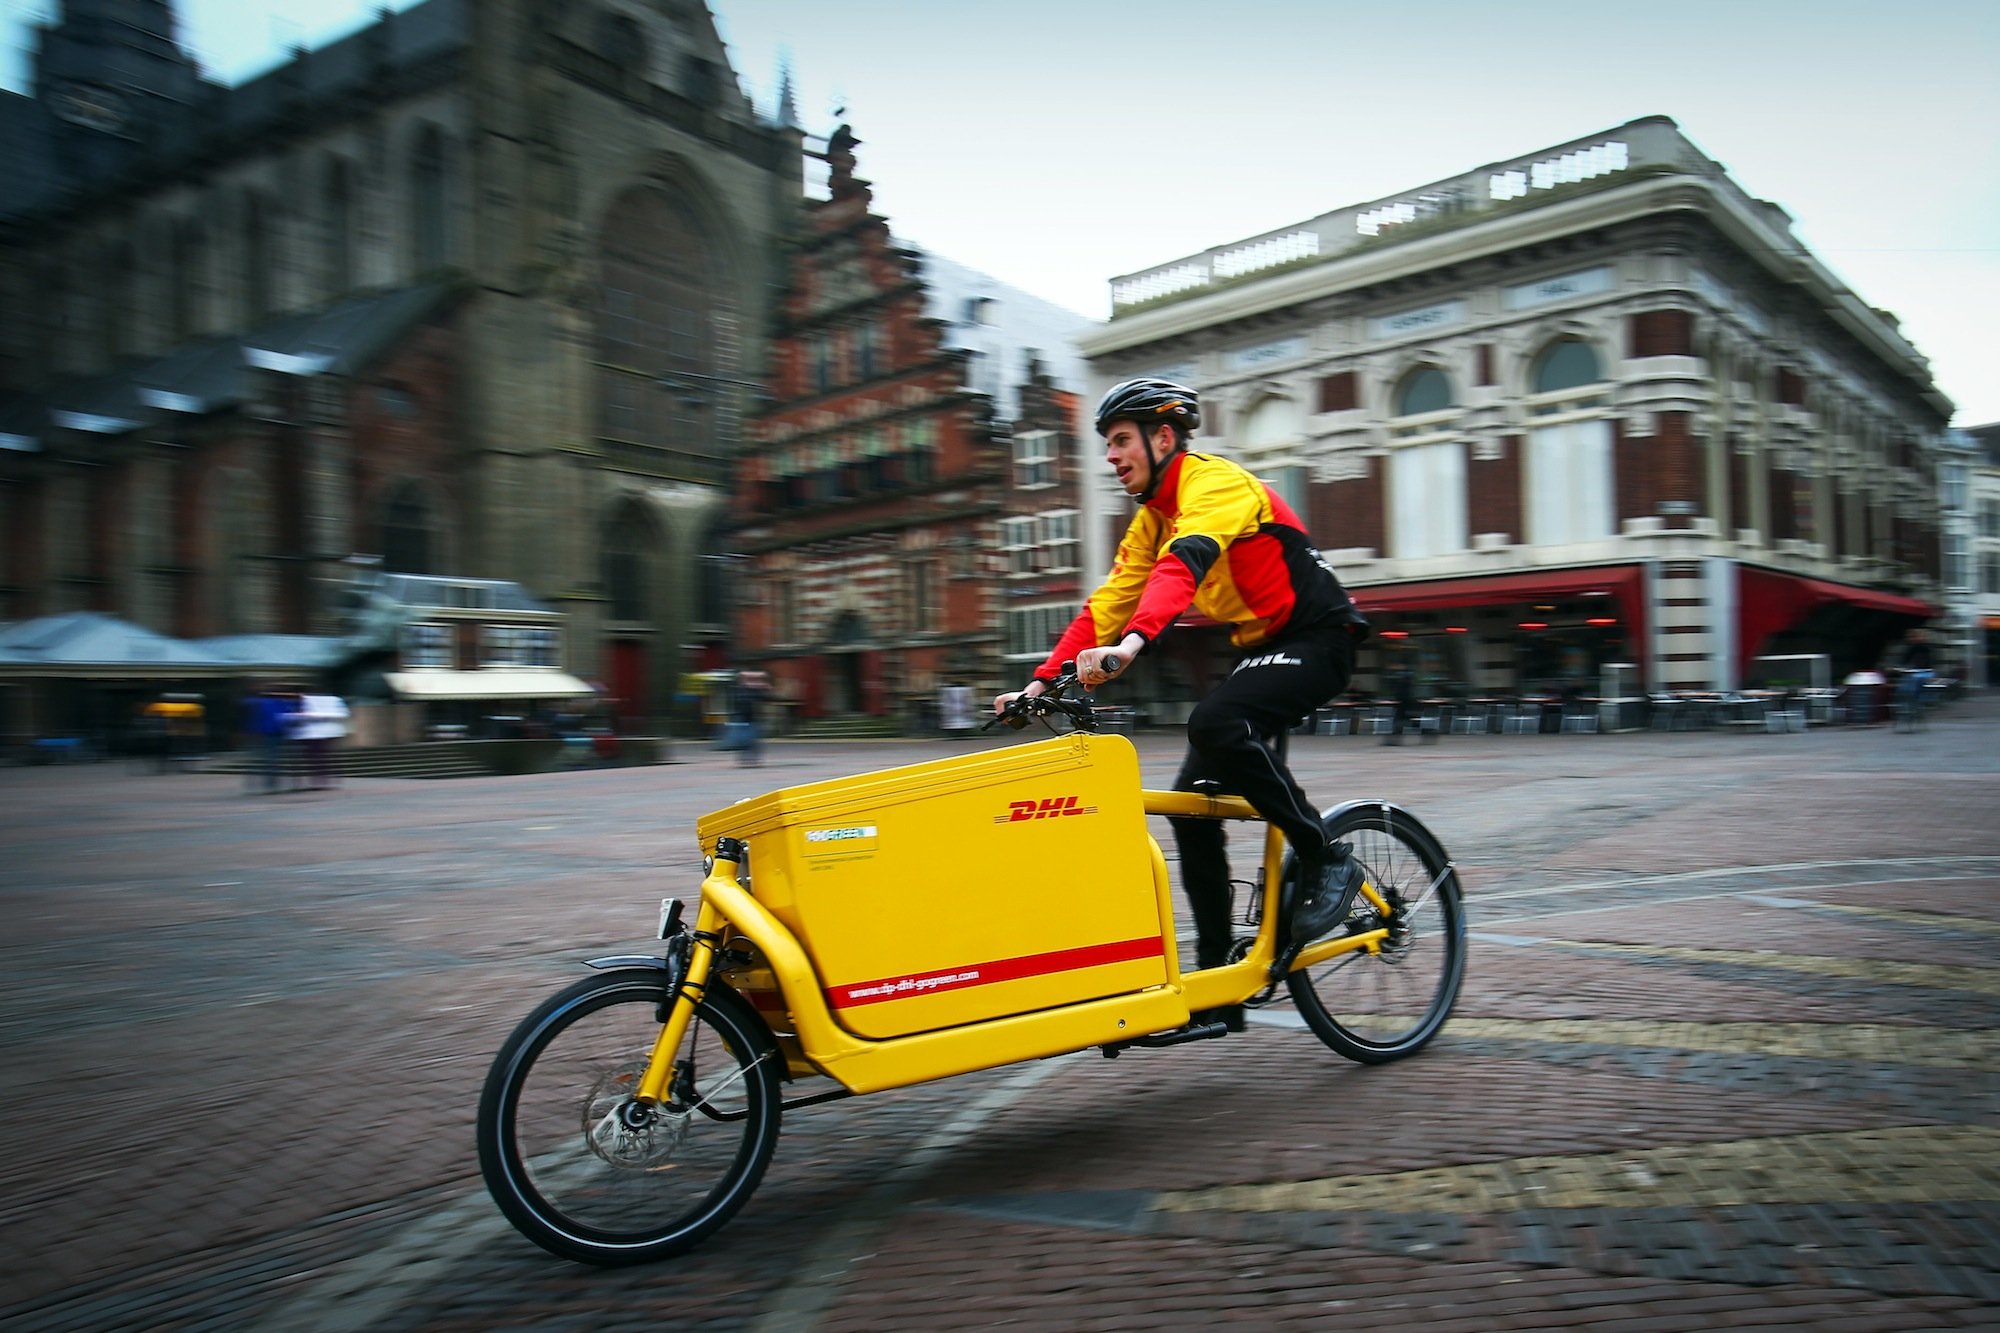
(1218, 540)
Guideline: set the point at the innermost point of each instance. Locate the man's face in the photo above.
(1131, 455)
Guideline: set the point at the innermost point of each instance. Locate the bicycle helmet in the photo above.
(1148, 403)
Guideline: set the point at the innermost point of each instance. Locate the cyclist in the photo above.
(1208, 535)
(1914, 675)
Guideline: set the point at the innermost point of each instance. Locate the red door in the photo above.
(628, 681)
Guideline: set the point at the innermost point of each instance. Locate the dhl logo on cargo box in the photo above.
(1050, 807)
(840, 838)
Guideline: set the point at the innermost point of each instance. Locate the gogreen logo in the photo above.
(1051, 807)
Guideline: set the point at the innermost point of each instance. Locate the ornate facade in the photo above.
(891, 531)
(1593, 407)
(479, 290)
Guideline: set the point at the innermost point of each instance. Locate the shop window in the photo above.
(517, 645)
(426, 645)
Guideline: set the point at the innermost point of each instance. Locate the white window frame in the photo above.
(427, 643)
(1035, 460)
(1033, 630)
(1017, 544)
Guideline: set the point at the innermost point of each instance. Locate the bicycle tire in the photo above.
(563, 1172)
(1377, 1007)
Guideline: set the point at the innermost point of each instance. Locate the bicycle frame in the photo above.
(862, 1064)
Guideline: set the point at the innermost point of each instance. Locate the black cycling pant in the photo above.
(1232, 738)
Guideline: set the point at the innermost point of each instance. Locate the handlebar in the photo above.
(1028, 707)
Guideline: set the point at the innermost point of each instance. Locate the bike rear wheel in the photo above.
(585, 1171)
(1378, 1007)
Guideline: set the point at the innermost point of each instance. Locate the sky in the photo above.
(1056, 144)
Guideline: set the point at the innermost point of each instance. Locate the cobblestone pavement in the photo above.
(1725, 1057)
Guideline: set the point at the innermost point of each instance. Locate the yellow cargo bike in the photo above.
(896, 927)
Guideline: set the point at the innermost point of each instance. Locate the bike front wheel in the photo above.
(589, 1173)
(1381, 1006)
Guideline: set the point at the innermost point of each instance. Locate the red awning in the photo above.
(1769, 602)
(1624, 582)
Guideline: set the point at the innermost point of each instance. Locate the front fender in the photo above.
(626, 960)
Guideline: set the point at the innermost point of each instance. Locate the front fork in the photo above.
(697, 949)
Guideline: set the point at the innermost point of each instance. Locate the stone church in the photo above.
(478, 291)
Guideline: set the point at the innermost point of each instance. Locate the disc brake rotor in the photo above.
(627, 1133)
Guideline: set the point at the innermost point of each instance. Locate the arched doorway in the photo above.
(847, 665)
(624, 571)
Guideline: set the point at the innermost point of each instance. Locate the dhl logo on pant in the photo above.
(1051, 807)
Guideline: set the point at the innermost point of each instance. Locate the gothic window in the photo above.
(712, 581)
(408, 545)
(116, 311)
(242, 571)
(662, 380)
(430, 219)
(337, 219)
(621, 42)
(256, 258)
(628, 543)
(189, 256)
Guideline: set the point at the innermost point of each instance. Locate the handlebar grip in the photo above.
(1112, 664)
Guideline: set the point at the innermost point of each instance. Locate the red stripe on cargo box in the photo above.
(1002, 969)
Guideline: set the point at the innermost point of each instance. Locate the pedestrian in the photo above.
(266, 717)
(318, 726)
(1403, 697)
(746, 705)
(153, 734)
(955, 709)
(1211, 536)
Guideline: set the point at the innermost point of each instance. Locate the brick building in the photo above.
(891, 533)
(1593, 406)
(479, 290)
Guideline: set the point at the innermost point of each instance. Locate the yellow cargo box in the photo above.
(964, 889)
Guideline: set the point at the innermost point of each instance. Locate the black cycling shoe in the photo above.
(1329, 885)
(1229, 1015)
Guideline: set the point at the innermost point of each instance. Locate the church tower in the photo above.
(111, 72)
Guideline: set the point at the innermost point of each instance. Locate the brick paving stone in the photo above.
(290, 1005)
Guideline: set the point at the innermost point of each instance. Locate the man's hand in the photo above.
(1000, 701)
(1090, 662)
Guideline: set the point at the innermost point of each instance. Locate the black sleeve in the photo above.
(1199, 553)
